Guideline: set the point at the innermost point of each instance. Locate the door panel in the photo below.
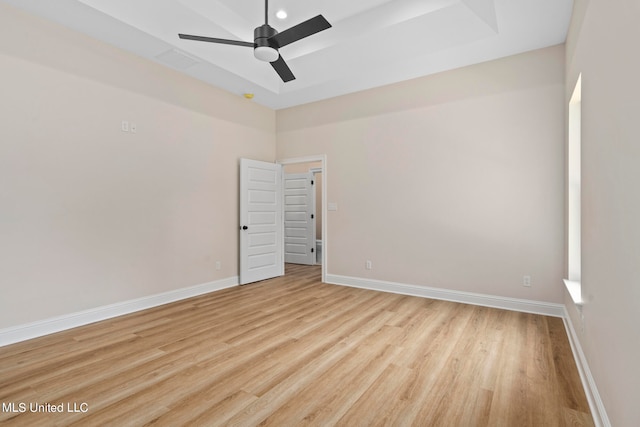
(299, 221)
(261, 227)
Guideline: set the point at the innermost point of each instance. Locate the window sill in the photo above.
(575, 290)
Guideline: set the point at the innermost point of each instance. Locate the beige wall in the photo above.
(452, 181)
(603, 46)
(91, 215)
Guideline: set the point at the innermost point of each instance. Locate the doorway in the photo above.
(316, 165)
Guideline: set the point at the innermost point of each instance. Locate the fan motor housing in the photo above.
(262, 34)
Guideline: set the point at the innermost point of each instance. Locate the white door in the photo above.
(261, 225)
(299, 219)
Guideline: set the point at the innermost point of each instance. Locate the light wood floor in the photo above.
(292, 351)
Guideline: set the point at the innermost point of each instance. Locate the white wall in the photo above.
(603, 46)
(91, 215)
(452, 181)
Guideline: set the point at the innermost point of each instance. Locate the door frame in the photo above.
(322, 158)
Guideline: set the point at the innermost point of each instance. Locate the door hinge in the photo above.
(312, 250)
(311, 182)
(312, 216)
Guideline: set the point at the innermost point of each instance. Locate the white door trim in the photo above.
(322, 158)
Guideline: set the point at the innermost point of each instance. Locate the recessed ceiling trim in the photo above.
(177, 59)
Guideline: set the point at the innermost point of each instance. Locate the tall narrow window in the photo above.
(574, 191)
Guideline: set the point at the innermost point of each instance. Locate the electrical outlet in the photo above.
(218, 265)
(368, 265)
(526, 281)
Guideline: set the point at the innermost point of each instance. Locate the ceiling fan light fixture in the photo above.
(266, 53)
(267, 41)
(281, 14)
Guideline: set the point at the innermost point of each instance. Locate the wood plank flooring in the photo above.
(293, 351)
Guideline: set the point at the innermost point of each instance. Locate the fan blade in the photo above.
(300, 31)
(283, 70)
(214, 40)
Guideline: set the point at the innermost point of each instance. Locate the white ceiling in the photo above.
(371, 43)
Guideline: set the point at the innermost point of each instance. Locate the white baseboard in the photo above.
(548, 309)
(48, 326)
(56, 324)
(598, 412)
(514, 304)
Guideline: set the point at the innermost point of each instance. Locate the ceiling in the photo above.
(371, 42)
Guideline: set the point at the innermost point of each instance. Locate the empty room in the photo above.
(218, 212)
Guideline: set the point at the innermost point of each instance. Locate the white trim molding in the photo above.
(598, 411)
(60, 323)
(575, 291)
(514, 304)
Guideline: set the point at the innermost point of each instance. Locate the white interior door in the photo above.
(261, 224)
(299, 219)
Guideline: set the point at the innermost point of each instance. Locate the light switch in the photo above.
(333, 206)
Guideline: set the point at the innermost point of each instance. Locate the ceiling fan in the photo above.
(267, 40)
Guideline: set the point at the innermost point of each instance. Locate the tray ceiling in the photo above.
(371, 43)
